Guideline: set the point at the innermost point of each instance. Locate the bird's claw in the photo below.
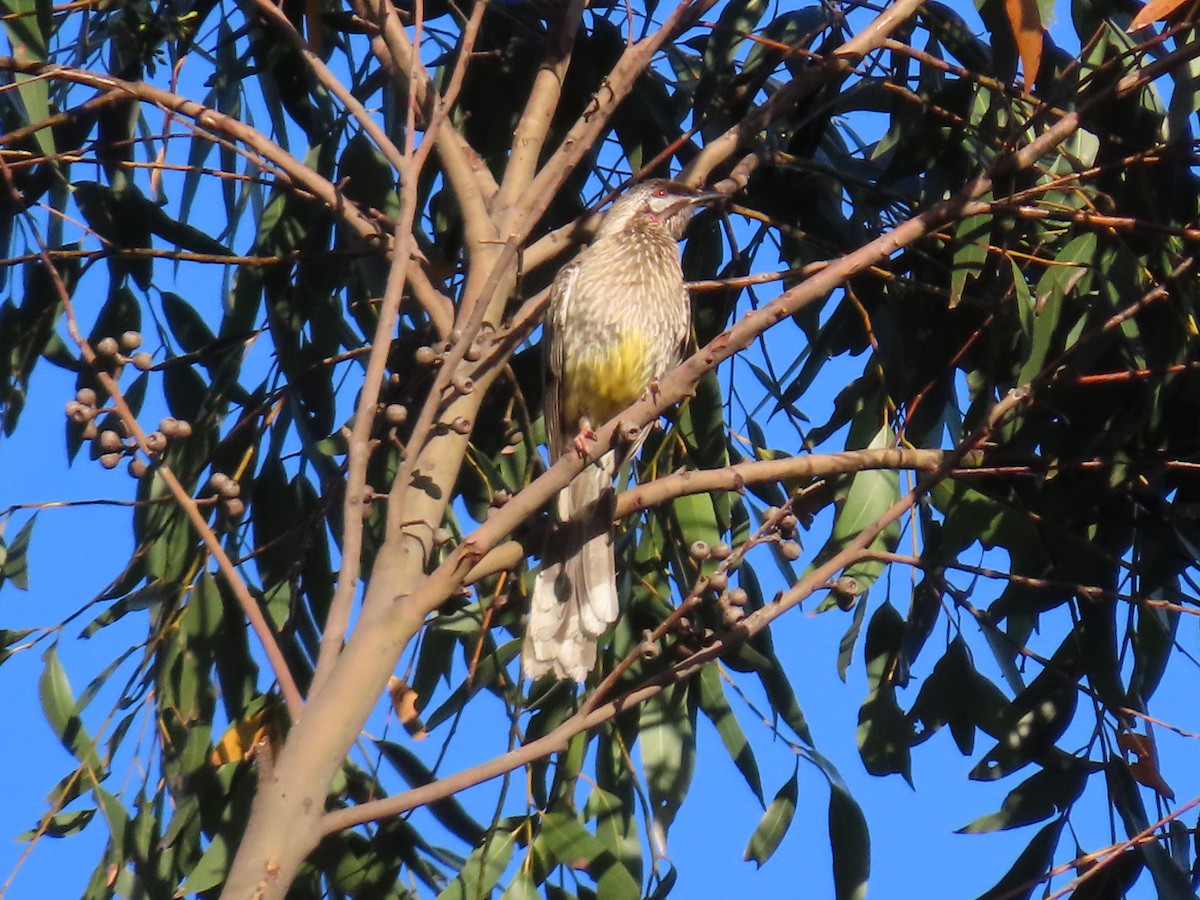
(585, 436)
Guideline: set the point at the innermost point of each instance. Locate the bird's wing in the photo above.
(552, 342)
(690, 342)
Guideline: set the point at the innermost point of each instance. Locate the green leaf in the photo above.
(668, 749)
(774, 823)
(958, 37)
(28, 23)
(884, 661)
(846, 645)
(566, 841)
(871, 494)
(8, 637)
(180, 234)
(186, 323)
(715, 705)
(1070, 274)
(489, 671)
(448, 811)
(972, 236)
(1153, 641)
(16, 562)
(210, 870)
(783, 700)
(1170, 880)
(152, 594)
(61, 824)
(957, 695)
(697, 518)
(885, 733)
(1026, 873)
(166, 532)
(522, 887)
(1036, 717)
(105, 211)
(1025, 305)
(367, 177)
(850, 842)
(614, 822)
(1112, 877)
(1035, 799)
(59, 706)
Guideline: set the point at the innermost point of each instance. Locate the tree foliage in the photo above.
(317, 238)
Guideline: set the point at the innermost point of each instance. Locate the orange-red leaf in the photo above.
(241, 738)
(1152, 12)
(1026, 21)
(1145, 768)
(404, 702)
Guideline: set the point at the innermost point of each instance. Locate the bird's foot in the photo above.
(585, 436)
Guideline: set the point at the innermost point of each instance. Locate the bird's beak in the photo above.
(700, 198)
(708, 197)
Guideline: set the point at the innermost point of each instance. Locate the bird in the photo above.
(619, 319)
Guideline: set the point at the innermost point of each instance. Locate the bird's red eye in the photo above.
(660, 192)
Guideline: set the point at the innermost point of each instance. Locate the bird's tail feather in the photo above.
(575, 591)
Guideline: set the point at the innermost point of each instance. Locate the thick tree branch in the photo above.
(534, 124)
(731, 478)
(469, 177)
(412, 165)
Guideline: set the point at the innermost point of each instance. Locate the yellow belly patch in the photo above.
(605, 378)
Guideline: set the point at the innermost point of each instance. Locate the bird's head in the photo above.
(668, 204)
